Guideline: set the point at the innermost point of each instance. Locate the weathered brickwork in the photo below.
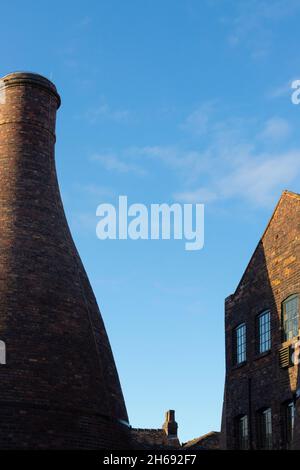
(60, 387)
(272, 275)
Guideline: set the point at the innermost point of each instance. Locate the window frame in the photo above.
(288, 430)
(265, 439)
(240, 357)
(263, 336)
(242, 438)
(285, 332)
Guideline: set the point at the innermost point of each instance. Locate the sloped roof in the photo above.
(285, 193)
(207, 441)
(153, 439)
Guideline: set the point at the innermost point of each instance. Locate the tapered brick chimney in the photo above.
(59, 387)
(170, 426)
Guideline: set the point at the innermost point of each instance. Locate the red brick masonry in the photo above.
(60, 388)
(272, 275)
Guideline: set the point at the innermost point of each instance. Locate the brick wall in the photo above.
(272, 275)
(60, 387)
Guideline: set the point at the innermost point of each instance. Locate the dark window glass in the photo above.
(290, 312)
(265, 428)
(242, 434)
(289, 420)
(240, 343)
(264, 332)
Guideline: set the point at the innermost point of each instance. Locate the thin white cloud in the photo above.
(106, 112)
(255, 180)
(198, 121)
(113, 162)
(251, 25)
(258, 179)
(92, 189)
(238, 166)
(169, 155)
(201, 195)
(175, 158)
(281, 90)
(237, 160)
(276, 129)
(238, 170)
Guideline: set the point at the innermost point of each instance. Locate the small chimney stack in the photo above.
(170, 426)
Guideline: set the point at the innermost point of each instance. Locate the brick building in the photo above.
(166, 438)
(209, 441)
(261, 403)
(161, 438)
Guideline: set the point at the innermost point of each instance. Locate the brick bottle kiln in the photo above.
(59, 387)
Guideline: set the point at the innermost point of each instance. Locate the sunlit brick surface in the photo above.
(273, 274)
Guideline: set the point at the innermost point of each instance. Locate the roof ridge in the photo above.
(284, 192)
(291, 193)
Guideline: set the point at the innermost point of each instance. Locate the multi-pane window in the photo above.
(289, 420)
(240, 344)
(290, 313)
(264, 332)
(265, 428)
(242, 433)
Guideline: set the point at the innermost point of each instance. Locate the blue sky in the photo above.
(166, 101)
